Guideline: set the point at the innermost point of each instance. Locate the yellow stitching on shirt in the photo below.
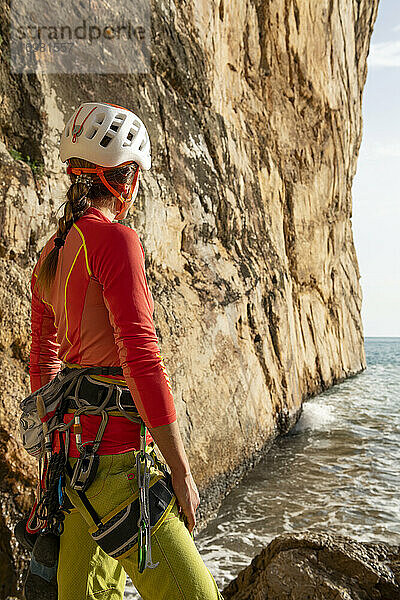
(65, 300)
(84, 247)
(52, 308)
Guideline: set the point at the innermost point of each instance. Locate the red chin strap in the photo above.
(125, 201)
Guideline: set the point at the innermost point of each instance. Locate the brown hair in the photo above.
(79, 197)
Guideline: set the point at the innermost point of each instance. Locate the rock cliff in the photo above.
(254, 112)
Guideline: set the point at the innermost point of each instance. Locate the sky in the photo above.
(376, 205)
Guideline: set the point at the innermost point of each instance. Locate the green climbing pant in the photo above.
(87, 572)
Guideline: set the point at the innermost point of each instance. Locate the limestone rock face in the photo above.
(254, 112)
(319, 566)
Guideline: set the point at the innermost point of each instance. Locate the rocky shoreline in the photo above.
(319, 566)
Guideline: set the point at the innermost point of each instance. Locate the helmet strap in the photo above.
(125, 201)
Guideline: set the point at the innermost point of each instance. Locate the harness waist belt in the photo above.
(94, 393)
(97, 370)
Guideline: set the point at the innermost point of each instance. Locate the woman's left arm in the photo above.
(43, 360)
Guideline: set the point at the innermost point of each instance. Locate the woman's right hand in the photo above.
(187, 495)
(169, 441)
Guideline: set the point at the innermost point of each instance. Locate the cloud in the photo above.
(385, 54)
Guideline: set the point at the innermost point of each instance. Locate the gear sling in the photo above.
(42, 423)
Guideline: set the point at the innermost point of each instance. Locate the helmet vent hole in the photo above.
(117, 122)
(100, 118)
(132, 134)
(91, 133)
(105, 141)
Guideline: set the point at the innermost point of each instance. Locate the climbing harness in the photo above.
(46, 436)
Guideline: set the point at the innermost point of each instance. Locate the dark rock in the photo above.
(319, 566)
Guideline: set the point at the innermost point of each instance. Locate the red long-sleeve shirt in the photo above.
(99, 312)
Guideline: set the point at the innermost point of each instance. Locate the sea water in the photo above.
(337, 471)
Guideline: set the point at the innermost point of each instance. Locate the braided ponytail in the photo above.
(77, 203)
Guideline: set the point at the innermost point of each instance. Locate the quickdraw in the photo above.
(144, 528)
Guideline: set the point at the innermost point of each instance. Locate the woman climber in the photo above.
(104, 491)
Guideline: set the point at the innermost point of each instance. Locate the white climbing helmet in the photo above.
(107, 135)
